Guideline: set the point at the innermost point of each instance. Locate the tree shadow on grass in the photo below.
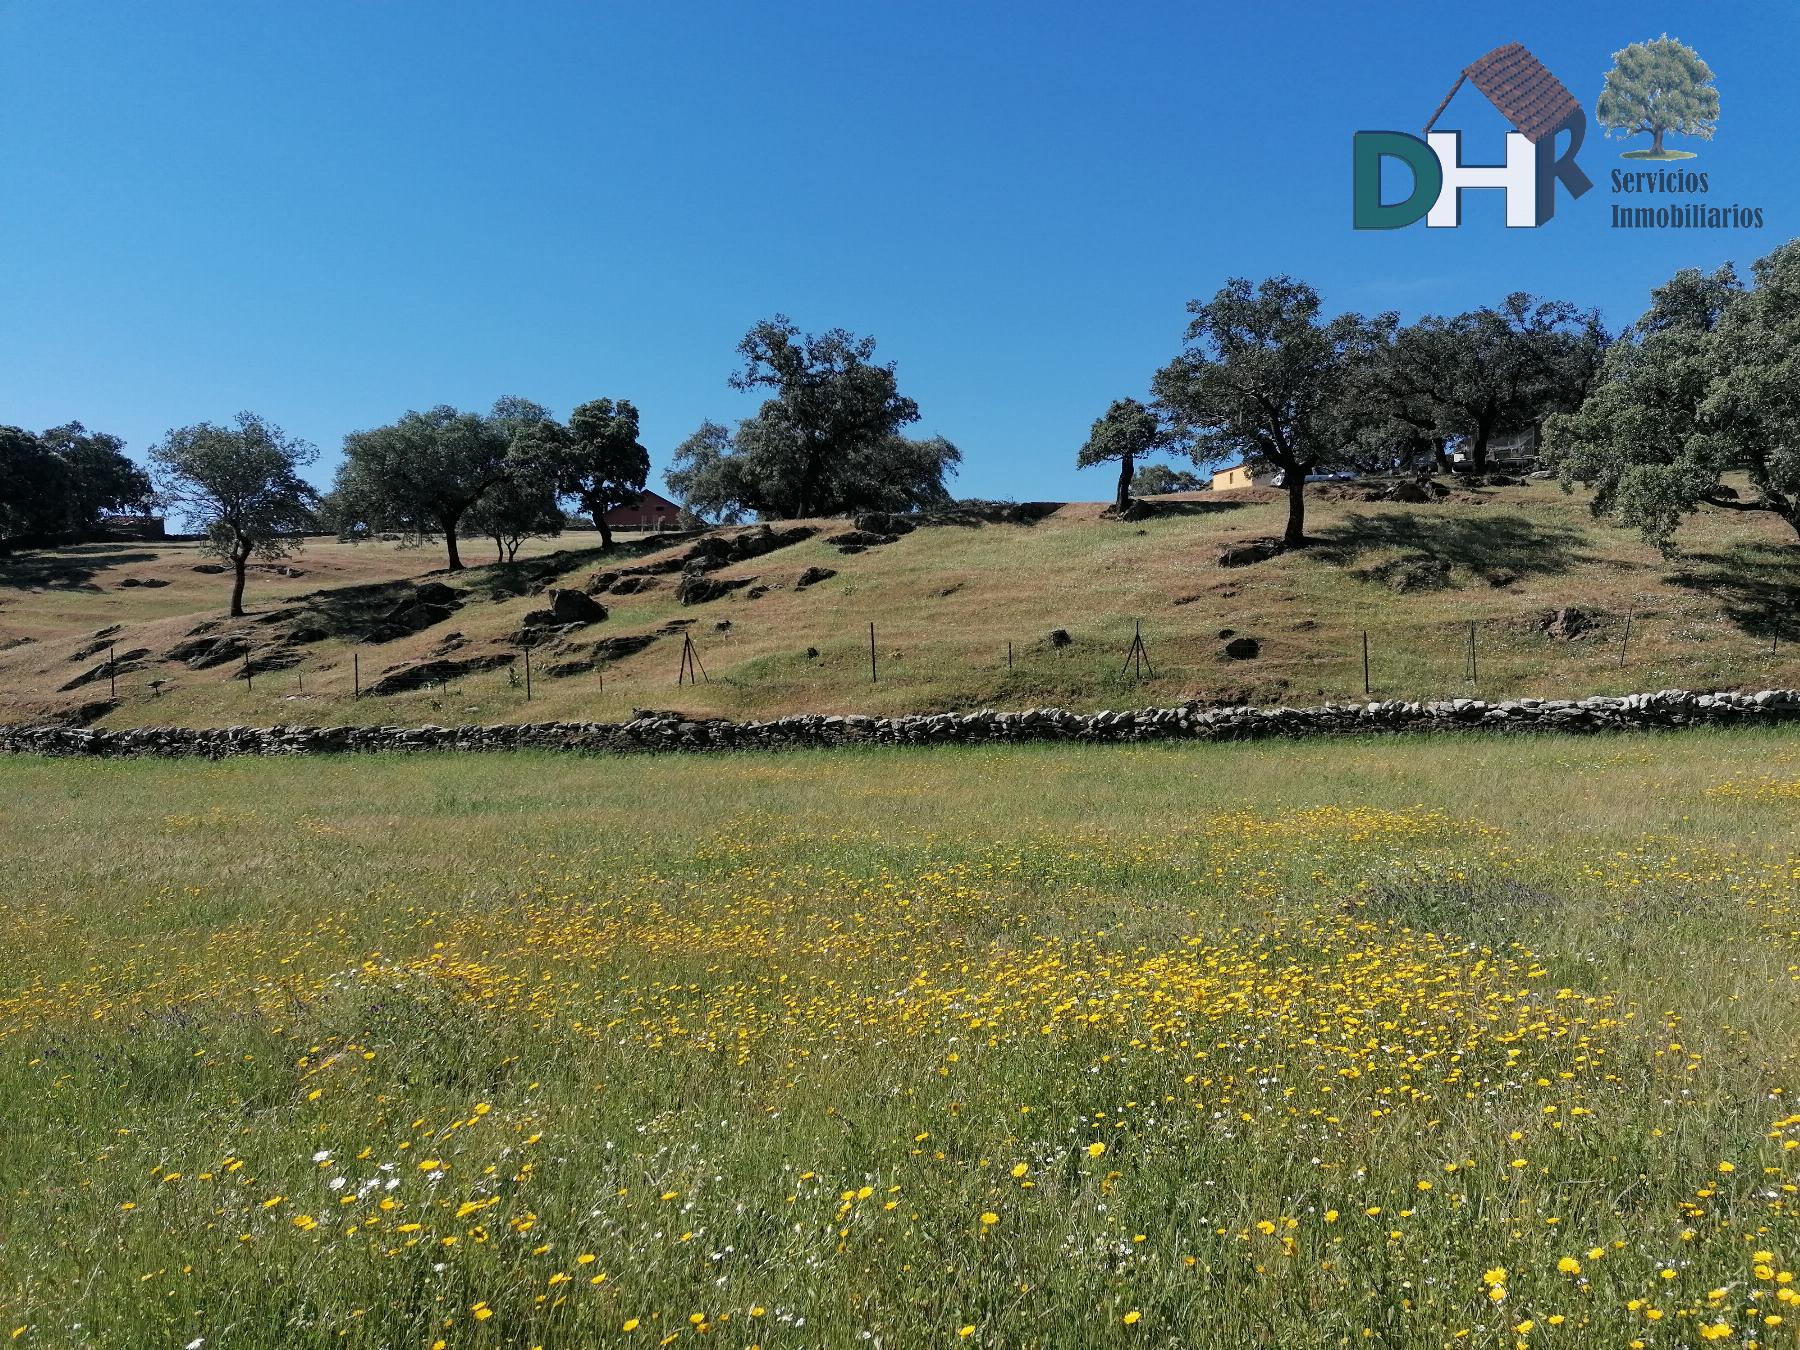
(66, 569)
(1756, 584)
(1491, 546)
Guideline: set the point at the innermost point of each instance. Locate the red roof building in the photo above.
(651, 511)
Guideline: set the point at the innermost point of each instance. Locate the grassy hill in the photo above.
(946, 602)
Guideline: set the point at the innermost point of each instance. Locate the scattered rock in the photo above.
(210, 569)
(595, 655)
(571, 606)
(148, 583)
(85, 714)
(538, 631)
(812, 576)
(266, 660)
(1568, 624)
(756, 592)
(428, 606)
(205, 652)
(632, 585)
(1413, 490)
(435, 672)
(722, 626)
(848, 549)
(944, 591)
(1411, 572)
(1251, 551)
(88, 650)
(1227, 632)
(696, 588)
(1243, 649)
(711, 552)
(1499, 577)
(975, 511)
(812, 653)
(1059, 637)
(881, 522)
(862, 538)
(131, 660)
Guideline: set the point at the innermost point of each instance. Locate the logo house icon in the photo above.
(1539, 108)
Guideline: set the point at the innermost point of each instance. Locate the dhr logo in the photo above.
(1529, 97)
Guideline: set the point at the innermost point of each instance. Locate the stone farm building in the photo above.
(134, 527)
(651, 511)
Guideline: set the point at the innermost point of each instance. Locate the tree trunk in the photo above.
(1123, 504)
(239, 562)
(449, 528)
(1295, 537)
(1656, 136)
(606, 539)
(1478, 450)
(1787, 511)
(1441, 450)
(499, 549)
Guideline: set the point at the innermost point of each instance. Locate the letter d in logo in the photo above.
(1371, 147)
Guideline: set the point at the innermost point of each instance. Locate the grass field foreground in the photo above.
(1475, 1042)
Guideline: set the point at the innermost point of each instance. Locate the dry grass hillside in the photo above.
(946, 601)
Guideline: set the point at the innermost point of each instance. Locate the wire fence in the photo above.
(1492, 657)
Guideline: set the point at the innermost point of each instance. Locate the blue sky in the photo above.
(333, 212)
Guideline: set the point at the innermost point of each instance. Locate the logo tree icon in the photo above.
(1659, 87)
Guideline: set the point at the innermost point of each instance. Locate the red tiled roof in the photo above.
(1526, 93)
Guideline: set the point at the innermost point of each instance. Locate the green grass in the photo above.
(769, 1037)
(946, 603)
(1657, 154)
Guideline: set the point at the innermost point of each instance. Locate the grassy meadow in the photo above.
(1407, 1043)
(948, 601)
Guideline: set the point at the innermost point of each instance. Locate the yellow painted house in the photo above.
(1239, 476)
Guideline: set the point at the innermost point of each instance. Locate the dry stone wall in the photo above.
(663, 732)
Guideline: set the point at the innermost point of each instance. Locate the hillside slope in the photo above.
(945, 600)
